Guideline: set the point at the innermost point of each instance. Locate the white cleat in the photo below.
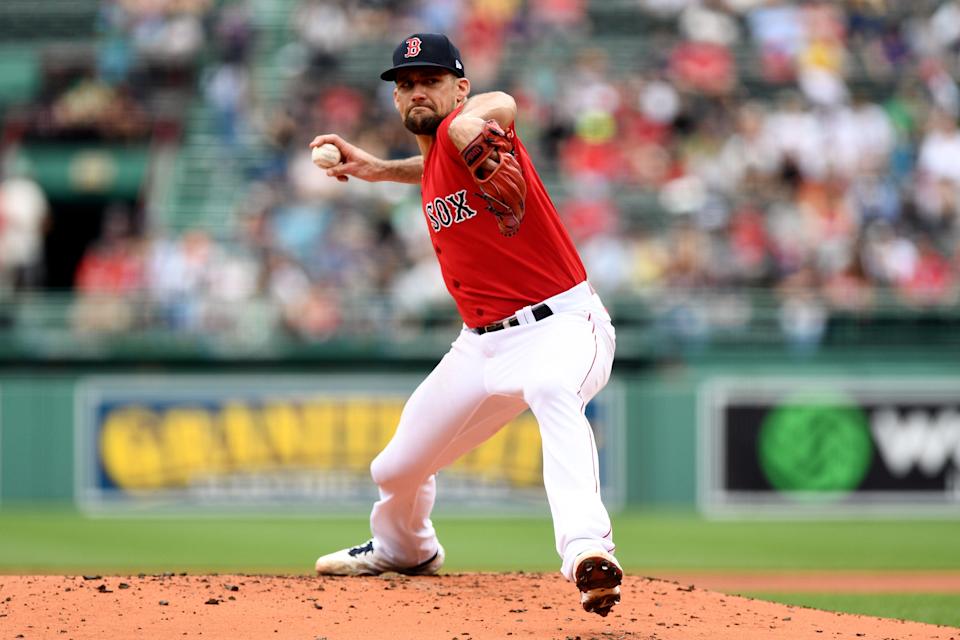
(363, 560)
(598, 576)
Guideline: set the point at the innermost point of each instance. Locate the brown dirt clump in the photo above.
(476, 606)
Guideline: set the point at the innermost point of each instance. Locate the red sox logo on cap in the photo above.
(423, 50)
(413, 48)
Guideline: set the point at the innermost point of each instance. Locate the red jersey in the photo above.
(489, 275)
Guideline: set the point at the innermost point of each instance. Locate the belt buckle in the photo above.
(498, 326)
(493, 326)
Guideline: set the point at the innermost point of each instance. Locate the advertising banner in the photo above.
(270, 441)
(844, 445)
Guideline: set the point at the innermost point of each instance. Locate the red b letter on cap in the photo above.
(413, 48)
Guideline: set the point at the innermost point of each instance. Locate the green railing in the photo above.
(39, 327)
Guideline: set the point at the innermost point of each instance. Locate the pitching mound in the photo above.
(457, 606)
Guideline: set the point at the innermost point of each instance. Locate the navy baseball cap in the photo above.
(425, 50)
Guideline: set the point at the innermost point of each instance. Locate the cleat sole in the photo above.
(598, 579)
(598, 573)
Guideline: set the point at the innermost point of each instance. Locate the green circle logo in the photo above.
(815, 445)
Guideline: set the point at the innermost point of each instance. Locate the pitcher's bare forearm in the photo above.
(494, 105)
(408, 170)
(373, 169)
(357, 163)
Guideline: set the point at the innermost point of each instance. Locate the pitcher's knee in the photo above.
(380, 470)
(393, 476)
(549, 389)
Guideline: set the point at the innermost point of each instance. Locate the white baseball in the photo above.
(325, 156)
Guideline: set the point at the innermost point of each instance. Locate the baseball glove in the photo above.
(491, 162)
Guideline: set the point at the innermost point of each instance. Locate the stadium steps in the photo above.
(207, 184)
(271, 72)
(206, 181)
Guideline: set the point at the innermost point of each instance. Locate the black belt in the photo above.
(540, 312)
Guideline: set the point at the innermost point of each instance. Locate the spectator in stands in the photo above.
(553, 18)
(941, 85)
(803, 317)
(235, 33)
(932, 283)
(848, 286)
(177, 278)
(109, 278)
(23, 217)
(227, 90)
(822, 60)
(308, 310)
(483, 30)
(709, 21)
(168, 37)
(749, 153)
(777, 28)
(940, 149)
(324, 27)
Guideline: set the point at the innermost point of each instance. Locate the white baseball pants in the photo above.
(554, 367)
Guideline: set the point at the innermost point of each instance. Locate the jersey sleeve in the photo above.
(444, 142)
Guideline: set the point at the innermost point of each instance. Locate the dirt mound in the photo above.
(476, 606)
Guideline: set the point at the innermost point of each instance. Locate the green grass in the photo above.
(57, 541)
(922, 607)
(62, 541)
(683, 541)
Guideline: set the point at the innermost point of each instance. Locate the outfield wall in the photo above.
(653, 418)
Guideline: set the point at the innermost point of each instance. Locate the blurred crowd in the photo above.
(127, 86)
(807, 149)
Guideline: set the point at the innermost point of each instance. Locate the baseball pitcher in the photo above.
(535, 333)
